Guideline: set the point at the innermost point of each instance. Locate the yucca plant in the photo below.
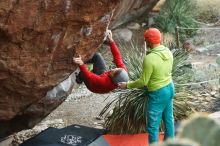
(129, 113)
(177, 13)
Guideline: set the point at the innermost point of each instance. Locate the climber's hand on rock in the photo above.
(109, 35)
(78, 60)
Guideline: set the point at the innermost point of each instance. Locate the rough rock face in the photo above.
(128, 10)
(38, 39)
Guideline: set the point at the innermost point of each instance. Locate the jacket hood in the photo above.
(162, 51)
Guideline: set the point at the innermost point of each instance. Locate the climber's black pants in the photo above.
(99, 67)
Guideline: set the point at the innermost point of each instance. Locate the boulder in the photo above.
(195, 86)
(123, 34)
(201, 50)
(133, 26)
(38, 41)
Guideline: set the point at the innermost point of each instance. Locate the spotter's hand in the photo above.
(122, 85)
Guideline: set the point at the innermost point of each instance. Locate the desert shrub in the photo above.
(175, 13)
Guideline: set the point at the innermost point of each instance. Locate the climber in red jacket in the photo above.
(100, 80)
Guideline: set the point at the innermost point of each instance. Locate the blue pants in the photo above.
(160, 106)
